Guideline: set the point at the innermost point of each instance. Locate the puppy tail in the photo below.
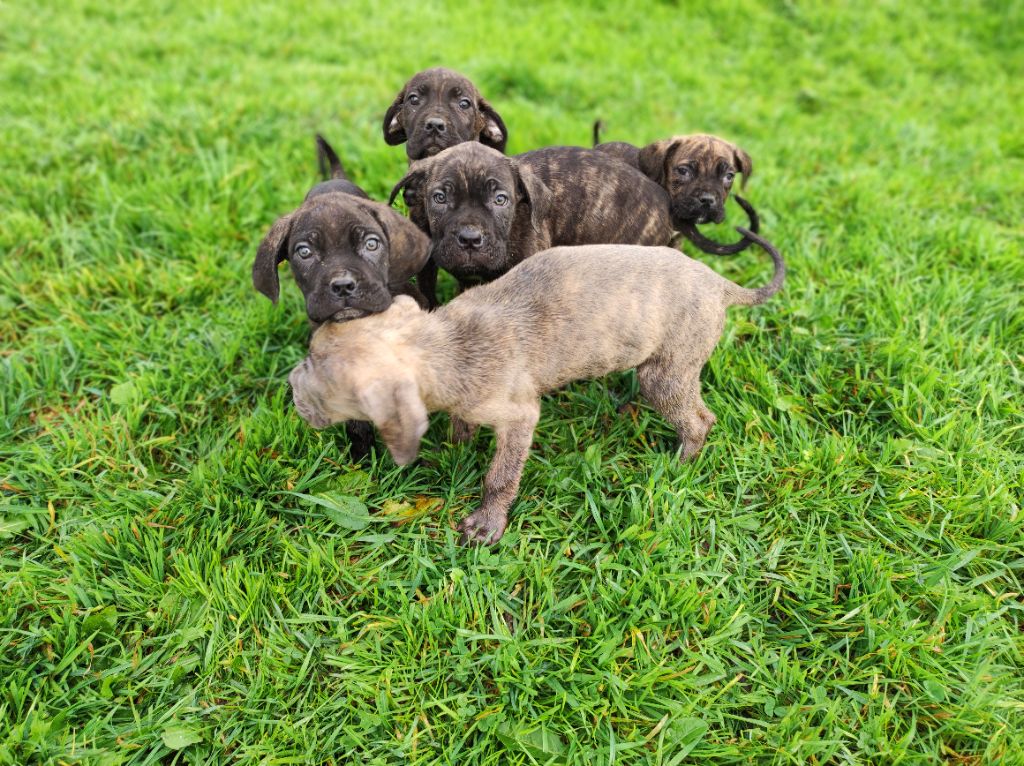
(327, 159)
(598, 127)
(743, 296)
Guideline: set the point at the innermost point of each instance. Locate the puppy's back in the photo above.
(581, 312)
(601, 198)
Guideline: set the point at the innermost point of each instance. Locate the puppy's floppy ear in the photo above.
(493, 133)
(272, 250)
(535, 192)
(654, 158)
(398, 412)
(394, 130)
(413, 182)
(744, 163)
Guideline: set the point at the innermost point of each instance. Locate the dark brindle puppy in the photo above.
(435, 110)
(439, 108)
(486, 212)
(698, 172)
(349, 255)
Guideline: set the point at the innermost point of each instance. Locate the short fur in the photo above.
(486, 212)
(359, 254)
(439, 108)
(696, 171)
(487, 356)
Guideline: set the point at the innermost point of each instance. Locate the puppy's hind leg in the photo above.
(673, 389)
(487, 524)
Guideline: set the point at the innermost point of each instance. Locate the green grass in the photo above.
(837, 579)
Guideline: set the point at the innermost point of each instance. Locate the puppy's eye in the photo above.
(684, 171)
(412, 98)
(465, 103)
(372, 244)
(439, 197)
(729, 176)
(501, 199)
(303, 251)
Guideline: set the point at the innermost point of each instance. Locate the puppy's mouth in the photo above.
(351, 312)
(482, 264)
(696, 214)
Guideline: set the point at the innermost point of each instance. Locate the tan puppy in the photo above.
(486, 357)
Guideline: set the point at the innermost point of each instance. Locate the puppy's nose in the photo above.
(470, 236)
(435, 125)
(707, 200)
(343, 286)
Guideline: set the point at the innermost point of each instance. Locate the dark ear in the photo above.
(272, 250)
(536, 194)
(744, 163)
(653, 159)
(494, 133)
(399, 414)
(413, 182)
(394, 130)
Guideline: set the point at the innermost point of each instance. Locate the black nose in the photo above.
(435, 125)
(470, 236)
(707, 200)
(343, 286)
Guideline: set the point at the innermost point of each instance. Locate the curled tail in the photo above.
(327, 159)
(744, 296)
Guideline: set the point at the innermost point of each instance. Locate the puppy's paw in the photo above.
(462, 432)
(482, 528)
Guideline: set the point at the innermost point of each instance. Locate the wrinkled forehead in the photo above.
(443, 81)
(706, 151)
(473, 169)
(335, 216)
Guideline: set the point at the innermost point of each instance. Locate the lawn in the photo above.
(190, 574)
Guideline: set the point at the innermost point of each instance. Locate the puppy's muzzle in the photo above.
(470, 238)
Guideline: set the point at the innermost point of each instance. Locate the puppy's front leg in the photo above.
(487, 524)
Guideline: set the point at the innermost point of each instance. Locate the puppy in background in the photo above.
(487, 356)
(697, 172)
(349, 255)
(439, 108)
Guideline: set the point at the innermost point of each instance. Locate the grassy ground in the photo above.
(837, 578)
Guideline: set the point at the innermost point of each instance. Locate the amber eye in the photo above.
(303, 251)
(439, 197)
(372, 244)
(501, 199)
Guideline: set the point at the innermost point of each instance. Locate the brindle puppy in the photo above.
(486, 212)
(439, 108)
(697, 171)
(348, 254)
(487, 356)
